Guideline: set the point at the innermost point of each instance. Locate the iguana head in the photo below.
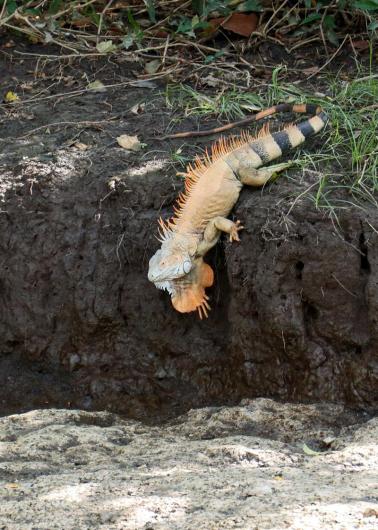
(175, 269)
(173, 260)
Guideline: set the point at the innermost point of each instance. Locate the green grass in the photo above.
(350, 152)
(229, 105)
(179, 157)
(346, 164)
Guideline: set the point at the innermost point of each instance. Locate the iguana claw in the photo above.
(234, 236)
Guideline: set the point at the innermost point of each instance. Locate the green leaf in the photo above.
(310, 18)
(204, 7)
(32, 11)
(138, 33)
(185, 26)
(211, 58)
(128, 41)
(366, 5)
(198, 6)
(249, 5)
(11, 7)
(188, 26)
(93, 15)
(332, 37)
(329, 22)
(54, 6)
(150, 10)
(373, 25)
(133, 23)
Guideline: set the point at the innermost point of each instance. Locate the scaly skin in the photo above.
(212, 187)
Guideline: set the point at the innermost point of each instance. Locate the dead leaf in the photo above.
(311, 70)
(27, 86)
(370, 512)
(211, 81)
(161, 34)
(361, 45)
(12, 485)
(129, 142)
(138, 108)
(106, 46)
(329, 440)
(81, 22)
(97, 86)
(11, 97)
(152, 66)
(48, 37)
(81, 146)
(238, 23)
(143, 83)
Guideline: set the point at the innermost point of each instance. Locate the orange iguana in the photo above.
(212, 187)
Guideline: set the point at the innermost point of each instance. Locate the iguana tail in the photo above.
(304, 108)
(270, 146)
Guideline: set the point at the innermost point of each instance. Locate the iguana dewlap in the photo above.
(212, 187)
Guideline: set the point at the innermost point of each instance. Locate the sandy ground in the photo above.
(210, 469)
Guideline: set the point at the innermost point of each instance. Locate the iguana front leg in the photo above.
(258, 177)
(213, 231)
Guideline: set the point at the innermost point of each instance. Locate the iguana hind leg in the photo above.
(213, 230)
(258, 177)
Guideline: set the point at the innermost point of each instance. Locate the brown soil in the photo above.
(294, 308)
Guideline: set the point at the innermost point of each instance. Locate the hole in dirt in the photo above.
(364, 264)
(310, 311)
(299, 266)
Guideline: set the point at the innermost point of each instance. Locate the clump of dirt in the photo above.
(294, 307)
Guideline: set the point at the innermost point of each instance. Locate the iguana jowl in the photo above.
(212, 187)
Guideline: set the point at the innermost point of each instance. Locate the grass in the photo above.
(346, 165)
(229, 105)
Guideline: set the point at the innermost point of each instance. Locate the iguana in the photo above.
(212, 187)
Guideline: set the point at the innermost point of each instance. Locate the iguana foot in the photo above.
(234, 229)
(258, 177)
(212, 232)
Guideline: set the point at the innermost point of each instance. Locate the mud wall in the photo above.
(294, 307)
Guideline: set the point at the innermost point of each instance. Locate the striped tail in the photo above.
(282, 107)
(272, 146)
